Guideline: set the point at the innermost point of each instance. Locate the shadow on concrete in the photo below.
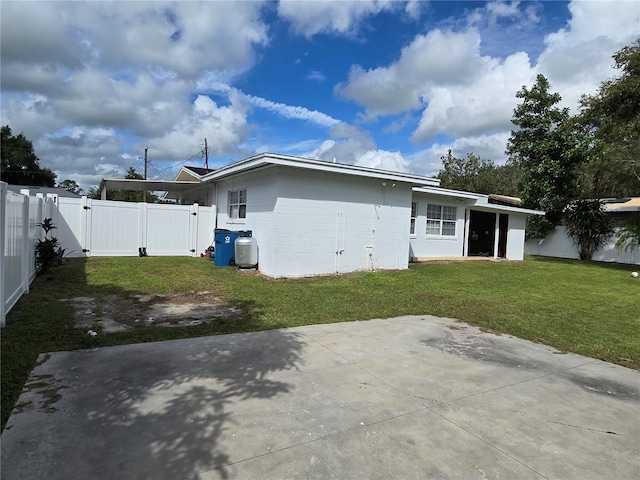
(160, 410)
(169, 413)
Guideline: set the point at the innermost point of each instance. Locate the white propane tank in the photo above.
(246, 252)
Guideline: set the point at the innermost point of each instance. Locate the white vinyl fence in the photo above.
(19, 217)
(86, 227)
(559, 244)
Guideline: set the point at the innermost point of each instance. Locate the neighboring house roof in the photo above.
(186, 173)
(479, 200)
(199, 171)
(267, 159)
(621, 204)
(505, 200)
(33, 190)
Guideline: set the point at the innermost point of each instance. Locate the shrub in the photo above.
(588, 225)
(47, 249)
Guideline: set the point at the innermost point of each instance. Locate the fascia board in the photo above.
(317, 165)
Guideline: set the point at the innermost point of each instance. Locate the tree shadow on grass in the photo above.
(623, 267)
(169, 410)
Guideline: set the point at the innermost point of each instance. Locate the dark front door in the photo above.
(503, 228)
(482, 233)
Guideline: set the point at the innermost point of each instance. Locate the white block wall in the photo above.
(429, 246)
(515, 236)
(315, 223)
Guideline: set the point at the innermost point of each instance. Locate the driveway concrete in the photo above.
(412, 397)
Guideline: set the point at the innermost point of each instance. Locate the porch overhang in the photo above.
(478, 201)
(173, 187)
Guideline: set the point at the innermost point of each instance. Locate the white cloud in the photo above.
(288, 111)
(346, 145)
(316, 76)
(84, 154)
(464, 94)
(384, 160)
(483, 106)
(438, 59)
(342, 17)
(414, 8)
(225, 128)
(99, 75)
(489, 147)
(577, 58)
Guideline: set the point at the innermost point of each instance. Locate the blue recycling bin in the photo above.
(224, 241)
(224, 253)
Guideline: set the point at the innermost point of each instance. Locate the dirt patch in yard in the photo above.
(115, 313)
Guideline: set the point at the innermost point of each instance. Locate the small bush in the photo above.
(48, 249)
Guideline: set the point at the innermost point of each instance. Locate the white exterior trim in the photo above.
(481, 201)
(265, 159)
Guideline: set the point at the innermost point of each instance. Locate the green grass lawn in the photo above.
(584, 307)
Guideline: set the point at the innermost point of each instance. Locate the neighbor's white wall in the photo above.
(429, 246)
(559, 244)
(314, 223)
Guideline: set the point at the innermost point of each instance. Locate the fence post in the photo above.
(142, 224)
(26, 245)
(3, 232)
(85, 225)
(194, 220)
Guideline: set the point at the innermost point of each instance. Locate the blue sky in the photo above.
(385, 84)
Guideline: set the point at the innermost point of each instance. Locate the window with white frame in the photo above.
(441, 220)
(237, 204)
(414, 214)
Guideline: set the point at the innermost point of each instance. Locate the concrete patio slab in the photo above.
(409, 397)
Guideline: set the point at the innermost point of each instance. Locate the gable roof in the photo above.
(199, 170)
(267, 159)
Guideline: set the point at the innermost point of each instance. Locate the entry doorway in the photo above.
(503, 228)
(482, 233)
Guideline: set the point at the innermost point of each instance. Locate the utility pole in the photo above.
(206, 154)
(144, 192)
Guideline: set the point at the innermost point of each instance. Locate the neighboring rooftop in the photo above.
(199, 170)
(629, 204)
(33, 190)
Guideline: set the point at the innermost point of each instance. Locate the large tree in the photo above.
(71, 186)
(613, 115)
(20, 165)
(474, 174)
(550, 146)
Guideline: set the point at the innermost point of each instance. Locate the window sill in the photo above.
(441, 237)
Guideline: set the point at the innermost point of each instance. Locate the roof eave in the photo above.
(318, 165)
